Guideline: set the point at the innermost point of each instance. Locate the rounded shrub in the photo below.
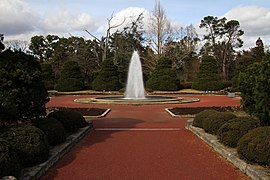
(70, 119)
(53, 129)
(29, 142)
(213, 122)
(254, 146)
(199, 118)
(230, 132)
(10, 164)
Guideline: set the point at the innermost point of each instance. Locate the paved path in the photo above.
(146, 143)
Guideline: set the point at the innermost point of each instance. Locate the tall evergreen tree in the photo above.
(208, 77)
(164, 77)
(71, 77)
(108, 77)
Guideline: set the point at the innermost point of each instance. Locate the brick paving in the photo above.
(145, 143)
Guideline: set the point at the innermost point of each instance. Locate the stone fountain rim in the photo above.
(166, 100)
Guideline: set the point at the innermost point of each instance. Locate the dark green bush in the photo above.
(53, 129)
(199, 118)
(254, 146)
(208, 77)
(254, 85)
(10, 164)
(29, 142)
(213, 122)
(71, 77)
(108, 77)
(164, 77)
(230, 132)
(71, 120)
(23, 94)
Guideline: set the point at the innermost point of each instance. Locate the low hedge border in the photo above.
(57, 152)
(230, 154)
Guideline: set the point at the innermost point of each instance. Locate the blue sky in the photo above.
(21, 19)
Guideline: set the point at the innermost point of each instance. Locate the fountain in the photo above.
(135, 86)
(135, 92)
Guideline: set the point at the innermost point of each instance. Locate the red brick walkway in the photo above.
(143, 152)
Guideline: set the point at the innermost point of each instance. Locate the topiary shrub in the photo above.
(108, 77)
(254, 146)
(10, 164)
(199, 118)
(164, 77)
(213, 122)
(29, 142)
(208, 77)
(71, 77)
(71, 120)
(53, 129)
(230, 132)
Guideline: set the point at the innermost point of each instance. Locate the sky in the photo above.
(22, 19)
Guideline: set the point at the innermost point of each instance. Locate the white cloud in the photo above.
(64, 22)
(16, 17)
(126, 16)
(19, 21)
(254, 21)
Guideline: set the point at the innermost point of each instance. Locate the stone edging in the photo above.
(99, 116)
(57, 152)
(253, 171)
(168, 110)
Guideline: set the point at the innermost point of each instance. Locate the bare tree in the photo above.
(160, 28)
(18, 45)
(104, 41)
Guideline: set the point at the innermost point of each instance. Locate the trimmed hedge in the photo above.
(53, 129)
(199, 118)
(230, 132)
(254, 146)
(213, 122)
(10, 164)
(71, 120)
(29, 142)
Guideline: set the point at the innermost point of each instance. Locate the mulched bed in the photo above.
(84, 111)
(195, 110)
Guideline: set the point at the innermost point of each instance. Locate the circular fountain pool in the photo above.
(126, 101)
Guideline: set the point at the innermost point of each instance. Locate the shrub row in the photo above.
(27, 145)
(244, 133)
